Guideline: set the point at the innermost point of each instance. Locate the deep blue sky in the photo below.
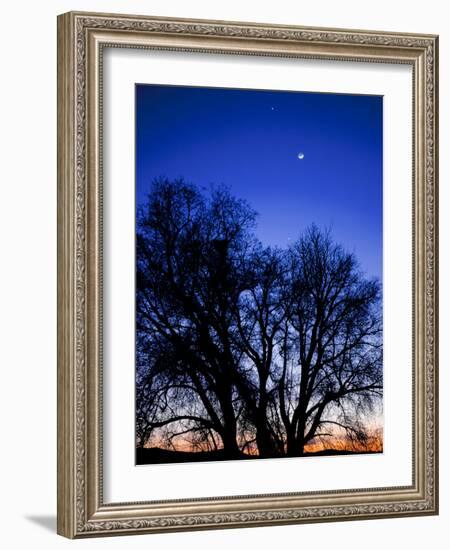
(250, 141)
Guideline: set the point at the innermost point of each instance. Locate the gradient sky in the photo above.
(249, 140)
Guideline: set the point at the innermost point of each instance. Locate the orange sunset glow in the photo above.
(337, 444)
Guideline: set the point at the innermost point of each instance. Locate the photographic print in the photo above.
(259, 231)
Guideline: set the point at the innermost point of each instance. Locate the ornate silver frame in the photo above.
(81, 38)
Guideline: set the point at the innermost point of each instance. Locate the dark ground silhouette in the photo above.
(164, 456)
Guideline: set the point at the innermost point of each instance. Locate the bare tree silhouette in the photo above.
(191, 256)
(332, 349)
(246, 349)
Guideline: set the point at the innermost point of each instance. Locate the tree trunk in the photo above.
(290, 442)
(229, 438)
(296, 437)
(229, 434)
(264, 440)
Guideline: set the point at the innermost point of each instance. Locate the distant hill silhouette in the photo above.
(155, 455)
